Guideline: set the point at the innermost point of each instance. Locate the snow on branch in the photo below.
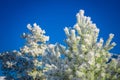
(85, 56)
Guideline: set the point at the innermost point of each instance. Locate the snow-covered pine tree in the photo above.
(85, 57)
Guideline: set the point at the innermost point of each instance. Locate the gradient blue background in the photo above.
(53, 16)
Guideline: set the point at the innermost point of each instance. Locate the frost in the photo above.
(85, 57)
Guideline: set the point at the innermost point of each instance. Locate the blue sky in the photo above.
(53, 16)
